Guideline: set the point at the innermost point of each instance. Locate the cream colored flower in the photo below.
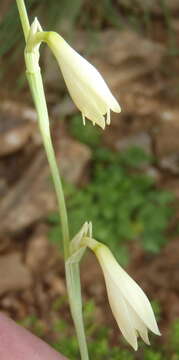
(130, 306)
(86, 86)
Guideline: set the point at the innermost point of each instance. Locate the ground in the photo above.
(143, 74)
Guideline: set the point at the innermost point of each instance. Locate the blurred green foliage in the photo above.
(157, 309)
(174, 337)
(88, 134)
(92, 16)
(66, 16)
(34, 324)
(98, 343)
(52, 15)
(122, 202)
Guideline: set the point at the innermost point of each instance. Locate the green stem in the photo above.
(72, 270)
(36, 86)
(24, 18)
(37, 90)
(74, 292)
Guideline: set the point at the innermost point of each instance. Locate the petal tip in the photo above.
(155, 329)
(147, 341)
(101, 123)
(117, 108)
(158, 332)
(135, 346)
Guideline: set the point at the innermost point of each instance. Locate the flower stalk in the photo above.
(36, 85)
(23, 18)
(34, 77)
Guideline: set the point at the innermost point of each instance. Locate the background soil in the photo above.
(142, 69)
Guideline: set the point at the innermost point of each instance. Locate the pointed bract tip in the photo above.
(35, 26)
(39, 27)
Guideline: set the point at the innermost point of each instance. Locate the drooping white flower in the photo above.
(129, 304)
(86, 86)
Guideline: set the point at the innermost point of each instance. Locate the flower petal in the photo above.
(85, 100)
(139, 325)
(130, 290)
(83, 80)
(121, 312)
(88, 74)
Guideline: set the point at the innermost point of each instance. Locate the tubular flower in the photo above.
(86, 86)
(129, 304)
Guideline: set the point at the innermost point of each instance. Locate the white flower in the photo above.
(130, 306)
(86, 86)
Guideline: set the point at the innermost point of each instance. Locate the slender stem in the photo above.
(74, 292)
(37, 90)
(60, 195)
(36, 85)
(72, 270)
(23, 17)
